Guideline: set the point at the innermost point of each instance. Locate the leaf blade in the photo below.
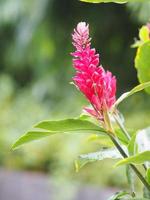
(96, 156)
(68, 125)
(136, 159)
(49, 128)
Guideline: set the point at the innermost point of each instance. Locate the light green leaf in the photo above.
(144, 34)
(119, 195)
(148, 175)
(96, 156)
(31, 136)
(55, 127)
(137, 159)
(132, 147)
(142, 63)
(131, 92)
(69, 125)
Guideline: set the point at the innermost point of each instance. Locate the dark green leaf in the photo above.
(61, 126)
(131, 92)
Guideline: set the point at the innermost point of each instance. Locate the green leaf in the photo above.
(144, 34)
(131, 92)
(132, 147)
(148, 175)
(121, 136)
(55, 127)
(31, 136)
(119, 195)
(137, 159)
(69, 125)
(110, 1)
(96, 156)
(142, 63)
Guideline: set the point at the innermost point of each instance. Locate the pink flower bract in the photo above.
(98, 85)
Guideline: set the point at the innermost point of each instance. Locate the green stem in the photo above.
(137, 172)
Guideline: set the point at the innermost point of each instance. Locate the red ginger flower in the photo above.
(98, 86)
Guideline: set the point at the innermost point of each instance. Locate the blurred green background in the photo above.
(35, 71)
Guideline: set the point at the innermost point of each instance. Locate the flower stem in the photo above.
(137, 172)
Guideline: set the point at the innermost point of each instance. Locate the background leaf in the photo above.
(68, 125)
(142, 63)
(96, 156)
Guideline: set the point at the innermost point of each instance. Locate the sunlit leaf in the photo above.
(31, 136)
(136, 159)
(142, 63)
(132, 145)
(144, 34)
(96, 156)
(148, 175)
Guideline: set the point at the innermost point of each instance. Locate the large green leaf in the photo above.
(31, 136)
(131, 92)
(96, 156)
(110, 1)
(61, 126)
(142, 63)
(69, 125)
(137, 159)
